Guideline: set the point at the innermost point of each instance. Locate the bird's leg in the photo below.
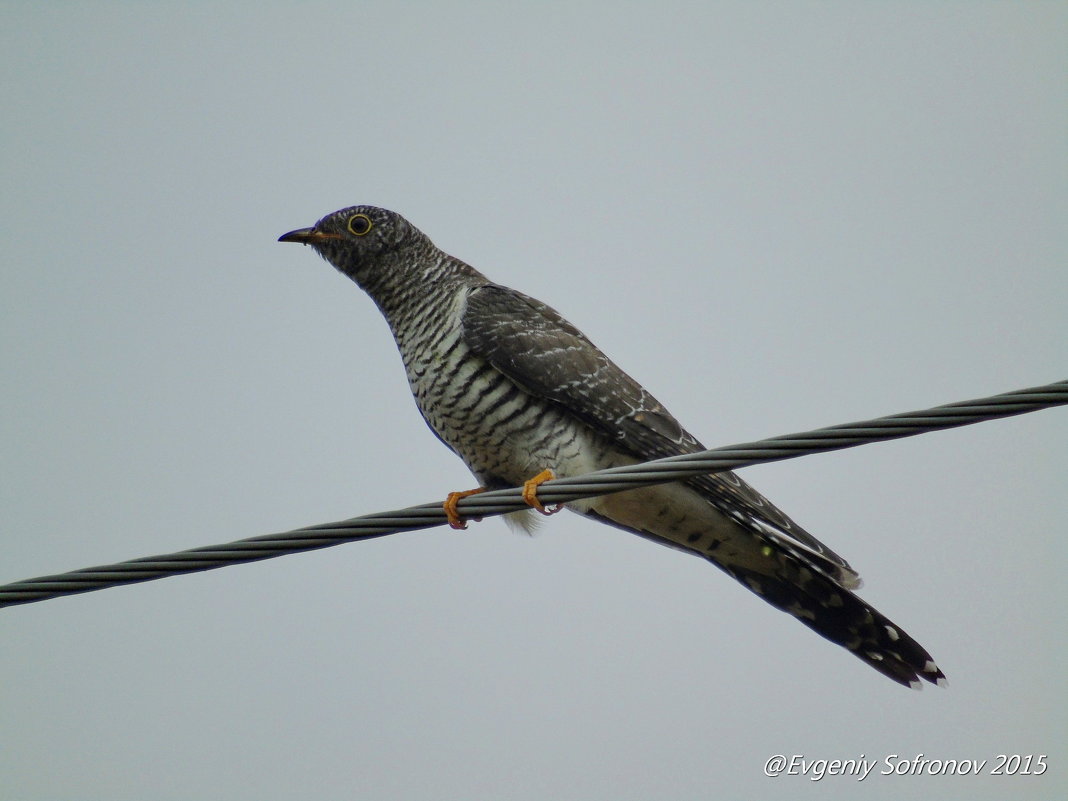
(530, 492)
(455, 520)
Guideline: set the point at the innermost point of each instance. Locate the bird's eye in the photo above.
(359, 224)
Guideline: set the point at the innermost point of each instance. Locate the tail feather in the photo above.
(843, 618)
(785, 573)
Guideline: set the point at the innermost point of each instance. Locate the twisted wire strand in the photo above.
(499, 502)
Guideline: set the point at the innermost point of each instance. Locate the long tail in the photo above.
(843, 618)
(793, 578)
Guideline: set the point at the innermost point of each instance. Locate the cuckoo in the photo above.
(520, 395)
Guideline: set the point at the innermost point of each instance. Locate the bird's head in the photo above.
(356, 238)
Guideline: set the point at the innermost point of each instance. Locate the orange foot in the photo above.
(530, 492)
(450, 507)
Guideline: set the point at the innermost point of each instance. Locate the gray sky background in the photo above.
(775, 216)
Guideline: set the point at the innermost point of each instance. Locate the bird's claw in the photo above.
(452, 513)
(530, 492)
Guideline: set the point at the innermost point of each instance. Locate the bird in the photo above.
(521, 395)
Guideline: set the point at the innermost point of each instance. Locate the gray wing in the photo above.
(542, 352)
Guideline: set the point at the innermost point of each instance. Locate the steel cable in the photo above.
(498, 502)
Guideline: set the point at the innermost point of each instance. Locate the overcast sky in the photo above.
(775, 216)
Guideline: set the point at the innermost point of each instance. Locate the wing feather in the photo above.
(543, 353)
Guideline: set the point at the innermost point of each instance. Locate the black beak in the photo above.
(307, 236)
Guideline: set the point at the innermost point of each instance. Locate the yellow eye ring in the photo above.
(360, 224)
